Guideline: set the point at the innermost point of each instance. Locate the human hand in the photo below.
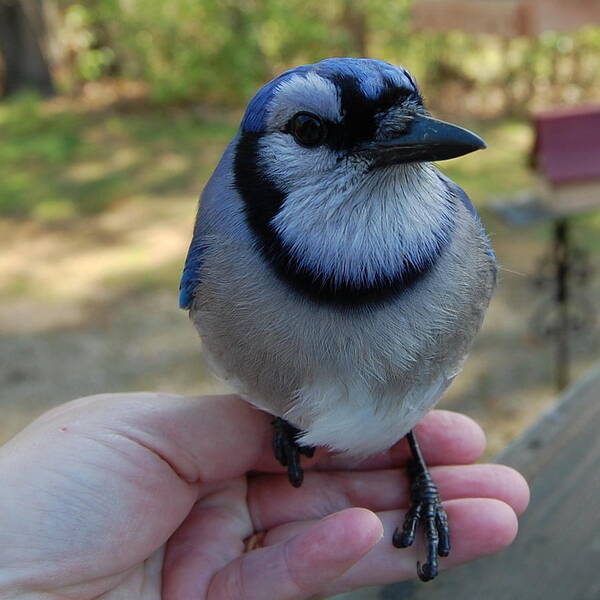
(152, 496)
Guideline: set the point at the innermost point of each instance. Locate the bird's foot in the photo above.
(426, 508)
(287, 450)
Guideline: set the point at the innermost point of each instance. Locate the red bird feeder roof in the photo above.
(567, 144)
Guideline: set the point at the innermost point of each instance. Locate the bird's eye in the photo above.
(308, 130)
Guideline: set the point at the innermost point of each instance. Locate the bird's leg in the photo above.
(287, 450)
(425, 507)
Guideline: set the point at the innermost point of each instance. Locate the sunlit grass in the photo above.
(60, 164)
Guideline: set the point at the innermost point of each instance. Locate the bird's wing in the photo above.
(190, 278)
(216, 212)
(458, 192)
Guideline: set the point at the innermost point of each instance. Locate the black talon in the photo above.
(426, 508)
(287, 450)
(426, 572)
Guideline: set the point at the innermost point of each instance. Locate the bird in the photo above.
(336, 276)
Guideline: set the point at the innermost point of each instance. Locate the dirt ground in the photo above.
(94, 309)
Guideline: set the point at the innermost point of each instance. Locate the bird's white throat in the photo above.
(358, 227)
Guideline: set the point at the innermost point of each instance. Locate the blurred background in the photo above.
(113, 113)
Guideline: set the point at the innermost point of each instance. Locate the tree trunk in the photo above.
(354, 21)
(22, 47)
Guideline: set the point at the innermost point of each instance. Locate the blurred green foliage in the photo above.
(220, 51)
(58, 164)
(217, 50)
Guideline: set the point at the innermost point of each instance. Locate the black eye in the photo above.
(308, 130)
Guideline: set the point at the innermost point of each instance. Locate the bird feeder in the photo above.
(566, 156)
(508, 18)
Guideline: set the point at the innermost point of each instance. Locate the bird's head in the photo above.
(332, 163)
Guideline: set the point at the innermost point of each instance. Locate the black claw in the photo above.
(426, 508)
(426, 572)
(295, 472)
(287, 450)
(397, 540)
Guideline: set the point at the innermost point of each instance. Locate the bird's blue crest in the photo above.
(370, 75)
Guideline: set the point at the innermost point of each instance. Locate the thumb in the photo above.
(203, 439)
(303, 565)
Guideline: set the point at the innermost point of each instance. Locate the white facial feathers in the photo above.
(341, 220)
(304, 93)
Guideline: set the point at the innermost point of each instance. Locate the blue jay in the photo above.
(336, 277)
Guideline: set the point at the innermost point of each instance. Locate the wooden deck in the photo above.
(557, 552)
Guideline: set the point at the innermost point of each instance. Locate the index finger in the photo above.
(203, 439)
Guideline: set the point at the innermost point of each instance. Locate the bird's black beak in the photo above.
(426, 139)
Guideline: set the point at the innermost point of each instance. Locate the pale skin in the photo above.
(154, 496)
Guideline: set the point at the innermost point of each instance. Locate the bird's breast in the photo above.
(320, 364)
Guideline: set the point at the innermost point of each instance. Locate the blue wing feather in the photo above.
(190, 278)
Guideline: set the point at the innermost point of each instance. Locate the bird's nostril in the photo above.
(393, 125)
